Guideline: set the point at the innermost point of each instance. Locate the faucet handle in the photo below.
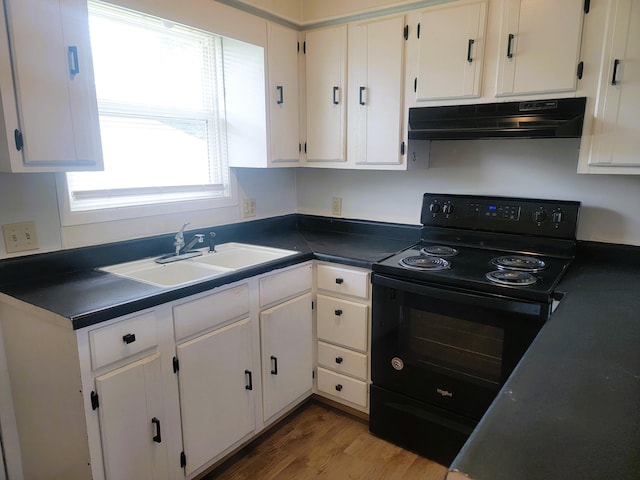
(212, 241)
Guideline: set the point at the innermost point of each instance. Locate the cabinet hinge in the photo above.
(587, 6)
(402, 148)
(580, 70)
(176, 365)
(95, 403)
(418, 30)
(406, 32)
(17, 136)
(183, 460)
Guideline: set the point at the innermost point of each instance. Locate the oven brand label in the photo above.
(397, 363)
(444, 393)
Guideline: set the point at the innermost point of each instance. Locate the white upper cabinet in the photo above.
(375, 100)
(282, 57)
(611, 143)
(49, 104)
(539, 46)
(452, 42)
(326, 81)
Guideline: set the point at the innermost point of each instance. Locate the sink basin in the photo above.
(227, 258)
(241, 255)
(166, 275)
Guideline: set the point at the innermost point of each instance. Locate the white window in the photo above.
(160, 90)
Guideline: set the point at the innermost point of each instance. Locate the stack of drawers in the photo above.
(343, 334)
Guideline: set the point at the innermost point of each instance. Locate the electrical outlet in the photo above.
(248, 207)
(336, 206)
(19, 237)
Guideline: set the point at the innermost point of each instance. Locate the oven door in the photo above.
(450, 348)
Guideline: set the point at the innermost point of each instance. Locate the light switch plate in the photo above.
(19, 237)
(336, 206)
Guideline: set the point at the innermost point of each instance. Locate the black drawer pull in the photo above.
(250, 378)
(338, 359)
(274, 362)
(129, 338)
(339, 388)
(338, 312)
(158, 436)
(339, 281)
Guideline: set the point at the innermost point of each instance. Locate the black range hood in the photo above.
(556, 118)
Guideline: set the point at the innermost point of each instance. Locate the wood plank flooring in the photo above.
(320, 442)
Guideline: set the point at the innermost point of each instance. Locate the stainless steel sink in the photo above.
(227, 258)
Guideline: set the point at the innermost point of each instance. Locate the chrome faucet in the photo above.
(182, 250)
(179, 239)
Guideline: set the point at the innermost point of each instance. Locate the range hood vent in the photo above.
(557, 118)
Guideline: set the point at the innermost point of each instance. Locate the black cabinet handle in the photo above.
(336, 95)
(280, 89)
(338, 359)
(274, 363)
(339, 388)
(129, 338)
(339, 281)
(471, 42)
(249, 386)
(510, 46)
(17, 136)
(158, 436)
(338, 312)
(614, 81)
(362, 89)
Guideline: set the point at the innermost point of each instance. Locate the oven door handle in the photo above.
(478, 300)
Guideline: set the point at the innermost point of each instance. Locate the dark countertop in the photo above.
(571, 409)
(68, 283)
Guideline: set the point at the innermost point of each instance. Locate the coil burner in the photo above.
(511, 277)
(439, 251)
(425, 262)
(520, 263)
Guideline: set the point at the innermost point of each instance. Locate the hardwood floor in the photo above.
(319, 442)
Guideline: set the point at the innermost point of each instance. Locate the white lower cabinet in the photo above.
(343, 340)
(216, 392)
(131, 418)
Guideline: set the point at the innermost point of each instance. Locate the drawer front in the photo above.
(282, 285)
(345, 388)
(343, 322)
(216, 309)
(344, 280)
(122, 339)
(342, 360)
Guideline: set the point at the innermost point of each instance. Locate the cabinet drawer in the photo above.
(206, 312)
(343, 280)
(343, 322)
(346, 388)
(286, 284)
(342, 360)
(122, 339)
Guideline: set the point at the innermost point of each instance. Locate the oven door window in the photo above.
(454, 346)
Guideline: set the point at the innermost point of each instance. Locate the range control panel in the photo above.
(550, 218)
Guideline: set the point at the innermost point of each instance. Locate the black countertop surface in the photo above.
(571, 409)
(68, 283)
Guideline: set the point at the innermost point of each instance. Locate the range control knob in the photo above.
(447, 208)
(539, 215)
(435, 207)
(557, 217)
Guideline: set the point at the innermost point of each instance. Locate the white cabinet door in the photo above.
(615, 138)
(57, 127)
(376, 52)
(131, 413)
(216, 396)
(452, 41)
(282, 54)
(326, 74)
(286, 344)
(539, 46)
